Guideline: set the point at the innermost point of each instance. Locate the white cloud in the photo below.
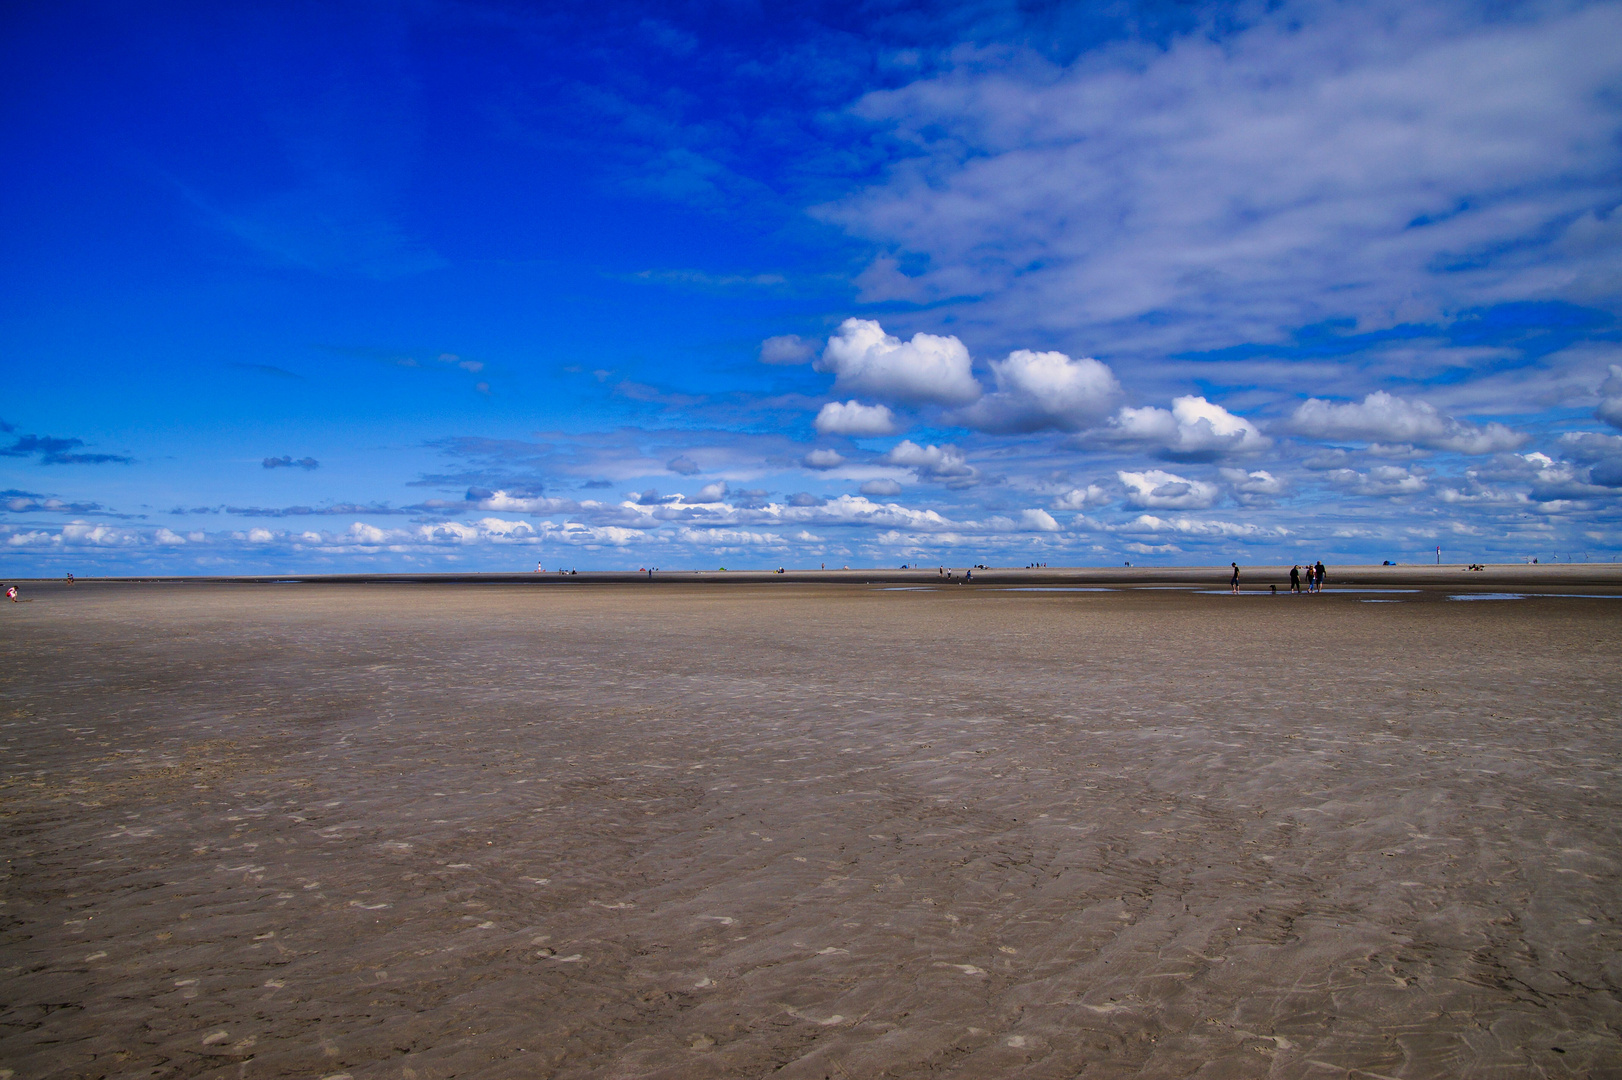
(856, 510)
(1038, 391)
(927, 369)
(1156, 489)
(854, 418)
(1387, 480)
(787, 349)
(1194, 429)
(682, 464)
(711, 493)
(1382, 418)
(91, 535)
(882, 487)
(1075, 498)
(943, 463)
(520, 504)
(1610, 398)
(1384, 159)
(1150, 523)
(1038, 521)
(1256, 488)
(823, 459)
(730, 538)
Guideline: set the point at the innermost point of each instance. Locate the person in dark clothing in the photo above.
(1295, 578)
(1233, 584)
(1319, 573)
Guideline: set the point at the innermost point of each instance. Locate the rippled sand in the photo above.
(824, 831)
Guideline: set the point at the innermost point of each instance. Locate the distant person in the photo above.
(11, 593)
(968, 575)
(70, 579)
(1233, 583)
(1295, 578)
(1319, 573)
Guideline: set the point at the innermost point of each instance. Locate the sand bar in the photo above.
(835, 831)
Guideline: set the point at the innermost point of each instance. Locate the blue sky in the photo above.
(434, 285)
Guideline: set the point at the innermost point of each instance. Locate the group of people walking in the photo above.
(1315, 578)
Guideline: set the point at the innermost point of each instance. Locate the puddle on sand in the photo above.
(1538, 595)
(1056, 588)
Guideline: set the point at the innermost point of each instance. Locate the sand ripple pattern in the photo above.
(822, 832)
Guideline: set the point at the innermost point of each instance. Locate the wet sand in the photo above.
(808, 831)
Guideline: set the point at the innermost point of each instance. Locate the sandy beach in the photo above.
(1042, 826)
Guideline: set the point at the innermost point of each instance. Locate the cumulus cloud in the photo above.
(787, 349)
(1076, 498)
(1036, 520)
(1187, 526)
(1382, 480)
(1610, 398)
(1156, 489)
(1194, 429)
(682, 464)
(1256, 488)
(944, 464)
(1038, 391)
(1383, 418)
(711, 493)
(854, 418)
(881, 487)
(286, 462)
(926, 370)
(823, 459)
